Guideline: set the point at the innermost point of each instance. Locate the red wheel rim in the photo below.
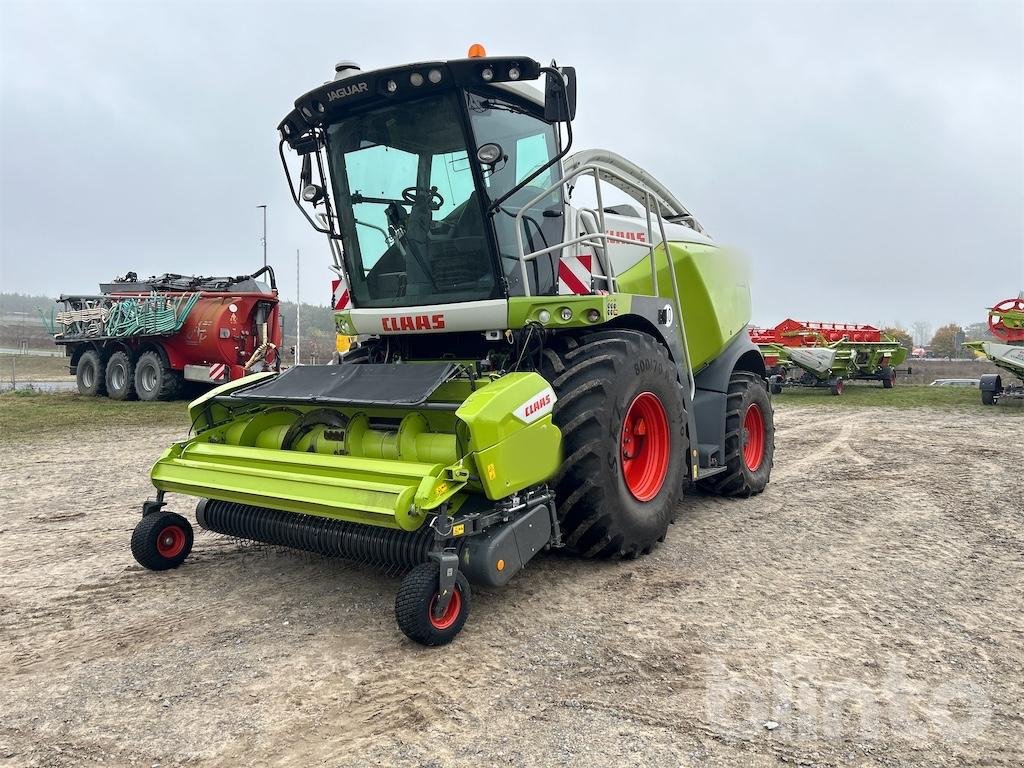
(753, 441)
(451, 613)
(171, 541)
(645, 447)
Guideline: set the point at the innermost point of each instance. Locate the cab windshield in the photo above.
(411, 219)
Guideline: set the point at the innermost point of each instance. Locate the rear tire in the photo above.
(749, 439)
(154, 379)
(162, 540)
(120, 377)
(414, 605)
(89, 374)
(620, 410)
(988, 397)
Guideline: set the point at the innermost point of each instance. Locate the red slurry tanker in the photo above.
(145, 338)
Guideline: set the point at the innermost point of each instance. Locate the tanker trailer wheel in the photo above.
(623, 425)
(749, 439)
(89, 374)
(775, 383)
(154, 379)
(414, 606)
(120, 377)
(161, 540)
(837, 387)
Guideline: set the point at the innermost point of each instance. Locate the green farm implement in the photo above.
(1006, 323)
(531, 372)
(800, 354)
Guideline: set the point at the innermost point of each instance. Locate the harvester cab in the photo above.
(530, 373)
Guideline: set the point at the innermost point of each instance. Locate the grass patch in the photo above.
(868, 396)
(29, 414)
(36, 366)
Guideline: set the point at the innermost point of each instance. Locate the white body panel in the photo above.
(816, 359)
(432, 318)
(1006, 355)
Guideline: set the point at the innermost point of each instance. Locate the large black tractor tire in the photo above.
(888, 377)
(414, 606)
(154, 379)
(120, 377)
(162, 540)
(625, 442)
(749, 439)
(89, 374)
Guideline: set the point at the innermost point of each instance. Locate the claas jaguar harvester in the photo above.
(532, 372)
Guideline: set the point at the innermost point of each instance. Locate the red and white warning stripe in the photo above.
(218, 371)
(574, 274)
(339, 295)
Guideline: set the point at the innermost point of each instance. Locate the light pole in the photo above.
(264, 207)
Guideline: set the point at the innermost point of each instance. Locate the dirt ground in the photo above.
(866, 609)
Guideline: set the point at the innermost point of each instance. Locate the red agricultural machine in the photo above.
(803, 354)
(145, 338)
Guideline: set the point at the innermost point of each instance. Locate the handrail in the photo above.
(652, 208)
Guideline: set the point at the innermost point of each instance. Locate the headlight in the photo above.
(434, 75)
(565, 313)
(487, 74)
(416, 79)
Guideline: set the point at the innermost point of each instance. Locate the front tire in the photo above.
(161, 541)
(749, 439)
(888, 377)
(620, 410)
(120, 377)
(89, 374)
(414, 606)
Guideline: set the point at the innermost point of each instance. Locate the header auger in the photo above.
(532, 372)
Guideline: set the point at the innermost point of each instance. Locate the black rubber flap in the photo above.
(354, 384)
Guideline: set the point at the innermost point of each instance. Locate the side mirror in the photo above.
(559, 101)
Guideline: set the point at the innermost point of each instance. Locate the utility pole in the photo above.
(264, 207)
(298, 313)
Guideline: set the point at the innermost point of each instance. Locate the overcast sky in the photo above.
(869, 157)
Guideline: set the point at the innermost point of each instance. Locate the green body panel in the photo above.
(374, 491)
(527, 309)
(383, 466)
(509, 454)
(714, 287)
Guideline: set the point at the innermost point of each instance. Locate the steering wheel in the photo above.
(412, 196)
